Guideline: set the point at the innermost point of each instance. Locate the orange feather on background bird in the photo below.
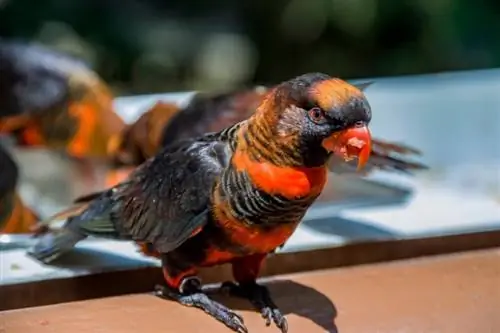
(53, 101)
(142, 139)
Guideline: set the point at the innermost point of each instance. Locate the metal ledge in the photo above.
(446, 294)
(137, 280)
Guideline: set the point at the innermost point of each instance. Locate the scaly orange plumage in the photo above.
(289, 182)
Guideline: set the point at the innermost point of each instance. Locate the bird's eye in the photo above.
(316, 115)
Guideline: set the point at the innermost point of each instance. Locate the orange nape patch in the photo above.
(333, 93)
(289, 182)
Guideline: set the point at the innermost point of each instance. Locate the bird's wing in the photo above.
(165, 201)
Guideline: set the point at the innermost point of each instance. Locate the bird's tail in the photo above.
(57, 220)
(54, 241)
(53, 244)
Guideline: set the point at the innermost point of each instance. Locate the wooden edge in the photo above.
(53, 291)
(452, 293)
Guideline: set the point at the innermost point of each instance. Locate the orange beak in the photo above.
(354, 142)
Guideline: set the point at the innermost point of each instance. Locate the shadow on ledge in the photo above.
(291, 298)
(350, 229)
(96, 260)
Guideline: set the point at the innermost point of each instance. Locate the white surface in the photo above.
(130, 108)
(434, 211)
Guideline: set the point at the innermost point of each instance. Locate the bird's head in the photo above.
(314, 115)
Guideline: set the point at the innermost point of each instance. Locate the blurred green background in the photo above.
(157, 46)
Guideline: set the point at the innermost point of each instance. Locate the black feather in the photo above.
(87, 197)
(163, 201)
(9, 172)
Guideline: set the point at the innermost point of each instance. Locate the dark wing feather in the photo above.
(9, 174)
(88, 197)
(164, 201)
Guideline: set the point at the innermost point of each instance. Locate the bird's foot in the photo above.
(260, 297)
(190, 294)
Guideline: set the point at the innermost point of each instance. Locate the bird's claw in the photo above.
(200, 300)
(235, 322)
(275, 316)
(259, 296)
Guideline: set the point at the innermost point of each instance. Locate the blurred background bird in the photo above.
(51, 100)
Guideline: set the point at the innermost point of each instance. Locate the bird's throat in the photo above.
(289, 182)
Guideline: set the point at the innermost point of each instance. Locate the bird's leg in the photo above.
(186, 289)
(245, 271)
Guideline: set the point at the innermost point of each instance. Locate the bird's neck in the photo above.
(274, 166)
(265, 140)
(288, 182)
(257, 194)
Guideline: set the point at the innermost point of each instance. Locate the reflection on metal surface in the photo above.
(23, 241)
(15, 241)
(349, 192)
